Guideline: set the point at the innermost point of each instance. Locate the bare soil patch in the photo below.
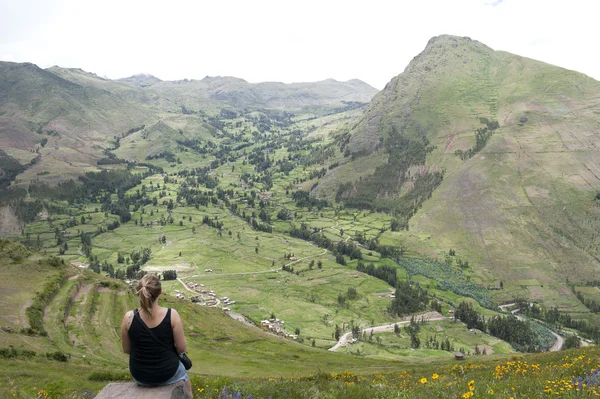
(84, 291)
(24, 321)
(9, 223)
(488, 349)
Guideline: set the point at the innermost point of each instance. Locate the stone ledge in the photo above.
(131, 390)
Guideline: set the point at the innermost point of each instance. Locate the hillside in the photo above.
(60, 339)
(58, 122)
(60, 323)
(63, 122)
(520, 205)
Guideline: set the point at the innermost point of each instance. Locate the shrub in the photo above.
(58, 356)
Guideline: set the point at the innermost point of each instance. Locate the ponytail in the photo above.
(148, 290)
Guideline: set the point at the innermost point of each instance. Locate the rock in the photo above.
(131, 390)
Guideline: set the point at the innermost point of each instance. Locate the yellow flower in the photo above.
(423, 380)
(435, 376)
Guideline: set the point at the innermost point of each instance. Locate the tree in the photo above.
(339, 258)
(170, 275)
(415, 342)
(284, 214)
(571, 342)
(337, 333)
(352, 293)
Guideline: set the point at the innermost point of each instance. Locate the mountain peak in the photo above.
(141, 80)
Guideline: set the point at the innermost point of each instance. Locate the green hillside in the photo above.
(520, 205)
(64, 122)
(73, 349)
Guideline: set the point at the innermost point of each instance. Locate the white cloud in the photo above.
(285, 40)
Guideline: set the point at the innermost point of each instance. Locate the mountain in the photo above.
(517, 199)
(63, 121)
(57, 122)
(141, 80)
(241, 94)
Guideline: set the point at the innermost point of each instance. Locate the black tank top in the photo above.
(149, 361)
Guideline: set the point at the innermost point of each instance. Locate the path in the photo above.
(339, 231)
(24, 319)
(306, 257)
(558, 343)
(429, 316)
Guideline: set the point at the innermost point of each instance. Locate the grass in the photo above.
(393, 346)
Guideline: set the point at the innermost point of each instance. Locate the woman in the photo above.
(152, 362)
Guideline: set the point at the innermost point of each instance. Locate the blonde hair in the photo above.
(148, 290)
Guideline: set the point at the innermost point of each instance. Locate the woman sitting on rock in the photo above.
(153, 338)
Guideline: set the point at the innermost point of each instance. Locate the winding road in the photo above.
(558, 344)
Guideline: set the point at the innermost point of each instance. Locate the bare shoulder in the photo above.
(175, 318)
(128, 318)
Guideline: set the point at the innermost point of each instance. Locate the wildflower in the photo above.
(471, 385)
(423, 380)
(435, 376)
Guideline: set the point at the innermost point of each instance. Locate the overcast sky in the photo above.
(286, 40)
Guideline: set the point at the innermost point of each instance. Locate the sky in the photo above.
(286, 40)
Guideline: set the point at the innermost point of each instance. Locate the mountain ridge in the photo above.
(540, 168)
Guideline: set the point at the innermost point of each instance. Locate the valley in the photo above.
(342, 214)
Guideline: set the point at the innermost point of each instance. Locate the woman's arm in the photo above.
(178, 336)
(125, 341)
